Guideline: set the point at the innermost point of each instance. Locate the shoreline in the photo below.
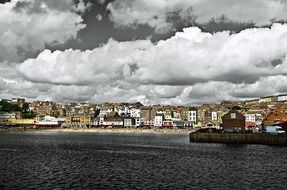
(102, 130)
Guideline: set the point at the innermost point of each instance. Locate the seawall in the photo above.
(254, 138)
(100, 130)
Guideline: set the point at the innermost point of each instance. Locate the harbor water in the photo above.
(56, 160)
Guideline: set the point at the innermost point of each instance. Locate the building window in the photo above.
(233, 115)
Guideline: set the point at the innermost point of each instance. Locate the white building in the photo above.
(267, 99)
(113, 122)
(214, 116)
(103, 113)
(282, 98)
(250, 117)
(158, 119)
(137, 122)
(135, 113)
(192, 116)
(128, 122)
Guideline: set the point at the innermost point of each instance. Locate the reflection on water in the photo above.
(109, 161)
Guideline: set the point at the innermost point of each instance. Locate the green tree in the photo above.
(8, 107)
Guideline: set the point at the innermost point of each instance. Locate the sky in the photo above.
(180, 52)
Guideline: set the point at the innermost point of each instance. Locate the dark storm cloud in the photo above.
(98, 31)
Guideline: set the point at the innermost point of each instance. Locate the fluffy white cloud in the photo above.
(105, 64)
(190, 67)
(27, 25)
(193, 56)
(158, 14)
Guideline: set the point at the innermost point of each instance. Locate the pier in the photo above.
(253, 138)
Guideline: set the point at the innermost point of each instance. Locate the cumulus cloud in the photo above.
(190, 67)
(160, 14)
(193, 56)
(27, 25)
(101, 65)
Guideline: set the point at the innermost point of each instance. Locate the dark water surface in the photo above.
(48, 160)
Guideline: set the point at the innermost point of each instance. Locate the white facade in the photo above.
(128, 122)
(282, 98)
(131, 112)
(266, 99)
(113, 123)
(138, 122)
(158, 119)
(192, 116)
(135, 113)
(214, 116)
(103, 113)
(250, 117)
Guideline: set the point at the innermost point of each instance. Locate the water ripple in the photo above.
(108, 161)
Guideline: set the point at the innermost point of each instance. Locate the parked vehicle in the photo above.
(274, 130)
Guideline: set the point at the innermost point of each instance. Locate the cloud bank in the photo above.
(190, 67)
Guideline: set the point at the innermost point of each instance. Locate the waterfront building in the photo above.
(146, 118)
(137, 122)
(158, 120)
(129, 122)
(192, 115)
(277, 114)
(183, 111)
(233, 120)
(113, 122)
(79, 120)
(250, 117)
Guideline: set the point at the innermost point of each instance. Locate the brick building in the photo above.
(233, 120)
